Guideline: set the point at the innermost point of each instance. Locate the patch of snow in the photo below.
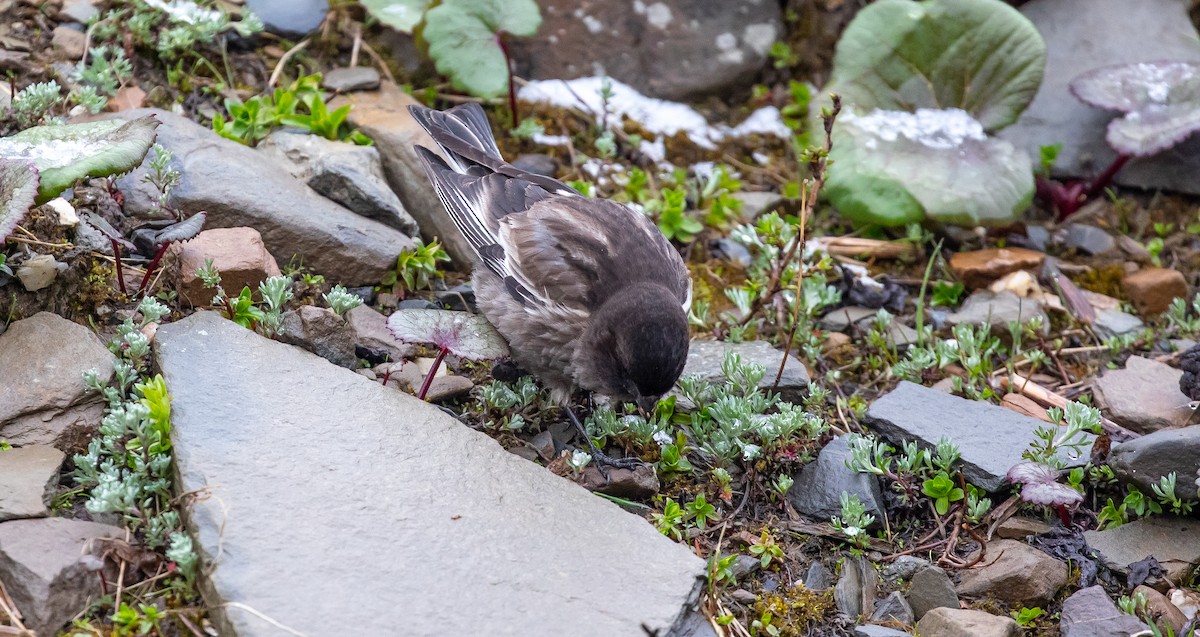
(933, 128)
(762, 158)
(551, 140)
(185, 11)
(658, 15)
(639, 7)
(732, 56)
(53, 153)
(660, 117)
(703, 169)
(655, 151)
(726, 41)
(65, 211)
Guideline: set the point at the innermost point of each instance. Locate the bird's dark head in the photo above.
(635, 345)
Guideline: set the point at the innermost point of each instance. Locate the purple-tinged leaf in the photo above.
(1032, 472)
(467, 335)
(1161, 101)
(18, 190)
(183, 230)
(1050, 494)
(100, 223)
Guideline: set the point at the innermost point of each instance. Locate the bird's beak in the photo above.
(647, 404)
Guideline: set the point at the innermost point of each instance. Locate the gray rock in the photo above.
(958, 622)
(1088, 239)
(43, 567)
(1174, 542)
(1082, 35)
(344, 173)
(1015, 573)
(855, 591)
(447, 387)
(818, 490)
(537, 163)
(1038, 237)
(1110, 323)
(321, 332)
(705, 358)
(744, 565)
(893, 608)
(818, 577)
(1144, 396)
(904, 568)
(990, 438)
(1143, 461)
(985, 307)
(383, 116)
(841, 319)
(757, 203)
(397, 476)
(291, 18)
(416, 304)
(44, 401)
(28, 476)
(1090, 613)
(460, 298)
(877, 631)
(240, 187)
(673, 49)
(372, 340)
(931, 589)
(80, 11)
(358, 78)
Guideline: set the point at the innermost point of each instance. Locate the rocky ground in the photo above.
(293, 484)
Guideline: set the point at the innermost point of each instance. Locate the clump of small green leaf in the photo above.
(341, 301)
(854, 520)
(176, 31)
(301, 104)
(275, 291)
(65, 154)
(417, 266)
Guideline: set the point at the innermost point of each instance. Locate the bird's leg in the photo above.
(600, 457)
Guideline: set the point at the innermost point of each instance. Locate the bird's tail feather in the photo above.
(465, 138)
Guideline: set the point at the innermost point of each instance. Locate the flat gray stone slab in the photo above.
(44, 400)
(990, 438)
(27, 479)
(705, 359)
(1173, 541)
(344, 507)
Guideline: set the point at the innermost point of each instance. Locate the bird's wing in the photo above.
(465, 137)
(476, 203)
(574, 252)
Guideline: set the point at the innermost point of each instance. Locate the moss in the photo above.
(793, 610)
(1103, 280)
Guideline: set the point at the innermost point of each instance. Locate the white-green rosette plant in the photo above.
(923, 85)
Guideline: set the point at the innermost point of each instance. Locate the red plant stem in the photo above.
(117, 260)
(437, 362)
(512, 91)
(1103, 179)
(153, 264)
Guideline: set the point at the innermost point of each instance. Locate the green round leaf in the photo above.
(66, 154)
(982, 56)
(18, 189)
(401, 15)
(894, 168)
(464, 40)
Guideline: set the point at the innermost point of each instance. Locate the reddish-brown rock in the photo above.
(979, 268)
(237, 253)
(1151, 290)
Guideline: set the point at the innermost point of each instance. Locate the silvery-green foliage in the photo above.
(277, 291)
(854, 520)
(341, 301)
(182, 553)
(32, 104)
(868, 455)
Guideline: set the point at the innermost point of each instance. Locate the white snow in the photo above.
(658, 15)
(656, 116)
(551, 140)
(932, 128)
(53, 153)
(185, 11)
